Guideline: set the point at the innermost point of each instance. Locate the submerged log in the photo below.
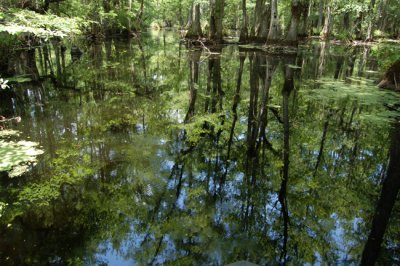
(283, 48)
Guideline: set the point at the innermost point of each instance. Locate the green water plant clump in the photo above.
(17, 157)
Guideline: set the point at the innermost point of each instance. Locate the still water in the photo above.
(156, 153)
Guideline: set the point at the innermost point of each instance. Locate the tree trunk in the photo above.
(244, 32)
(294, 23)
(253, 22)
(321, 14)
(236, 100)
(274, 29)
(322, 144)
(358, 26)
(305, 13)
(346, 25)
(129, 18)
(382, 15)
(252, 123)
(139, 18)
(194, 30)
(216, 16)
(214, 85)
(350, 64)
(271, 64)
(261, 21)
(194, 58)
(180, 18)
(326, 31)
(339, 66)
(387, 199)
(322, 59)
(371, 21)
(287, 89)
(190, 17)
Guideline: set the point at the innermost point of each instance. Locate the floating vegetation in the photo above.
(379, 104)
(17, 156)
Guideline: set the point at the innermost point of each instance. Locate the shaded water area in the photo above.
(160, 154)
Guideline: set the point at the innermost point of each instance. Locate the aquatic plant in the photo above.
(17, 157)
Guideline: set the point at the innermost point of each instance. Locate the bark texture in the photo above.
(371, 21)
(194, 30)
(274, 29)
(294, 22)
(326, 30)
(244, 32)
(262, 15)
(216, 16)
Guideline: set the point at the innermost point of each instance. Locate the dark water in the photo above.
(159, 154)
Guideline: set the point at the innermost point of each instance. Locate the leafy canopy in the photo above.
(18, 21)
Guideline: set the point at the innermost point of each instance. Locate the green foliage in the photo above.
(386, 55)
(125, 16)
(20, 21)
(17, 156)
(352, 6)
(63, 173)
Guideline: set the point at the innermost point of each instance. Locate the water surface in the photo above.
(156, 153)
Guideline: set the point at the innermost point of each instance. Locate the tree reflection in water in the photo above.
(157, 154)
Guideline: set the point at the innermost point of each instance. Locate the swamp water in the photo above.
(159, 154)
